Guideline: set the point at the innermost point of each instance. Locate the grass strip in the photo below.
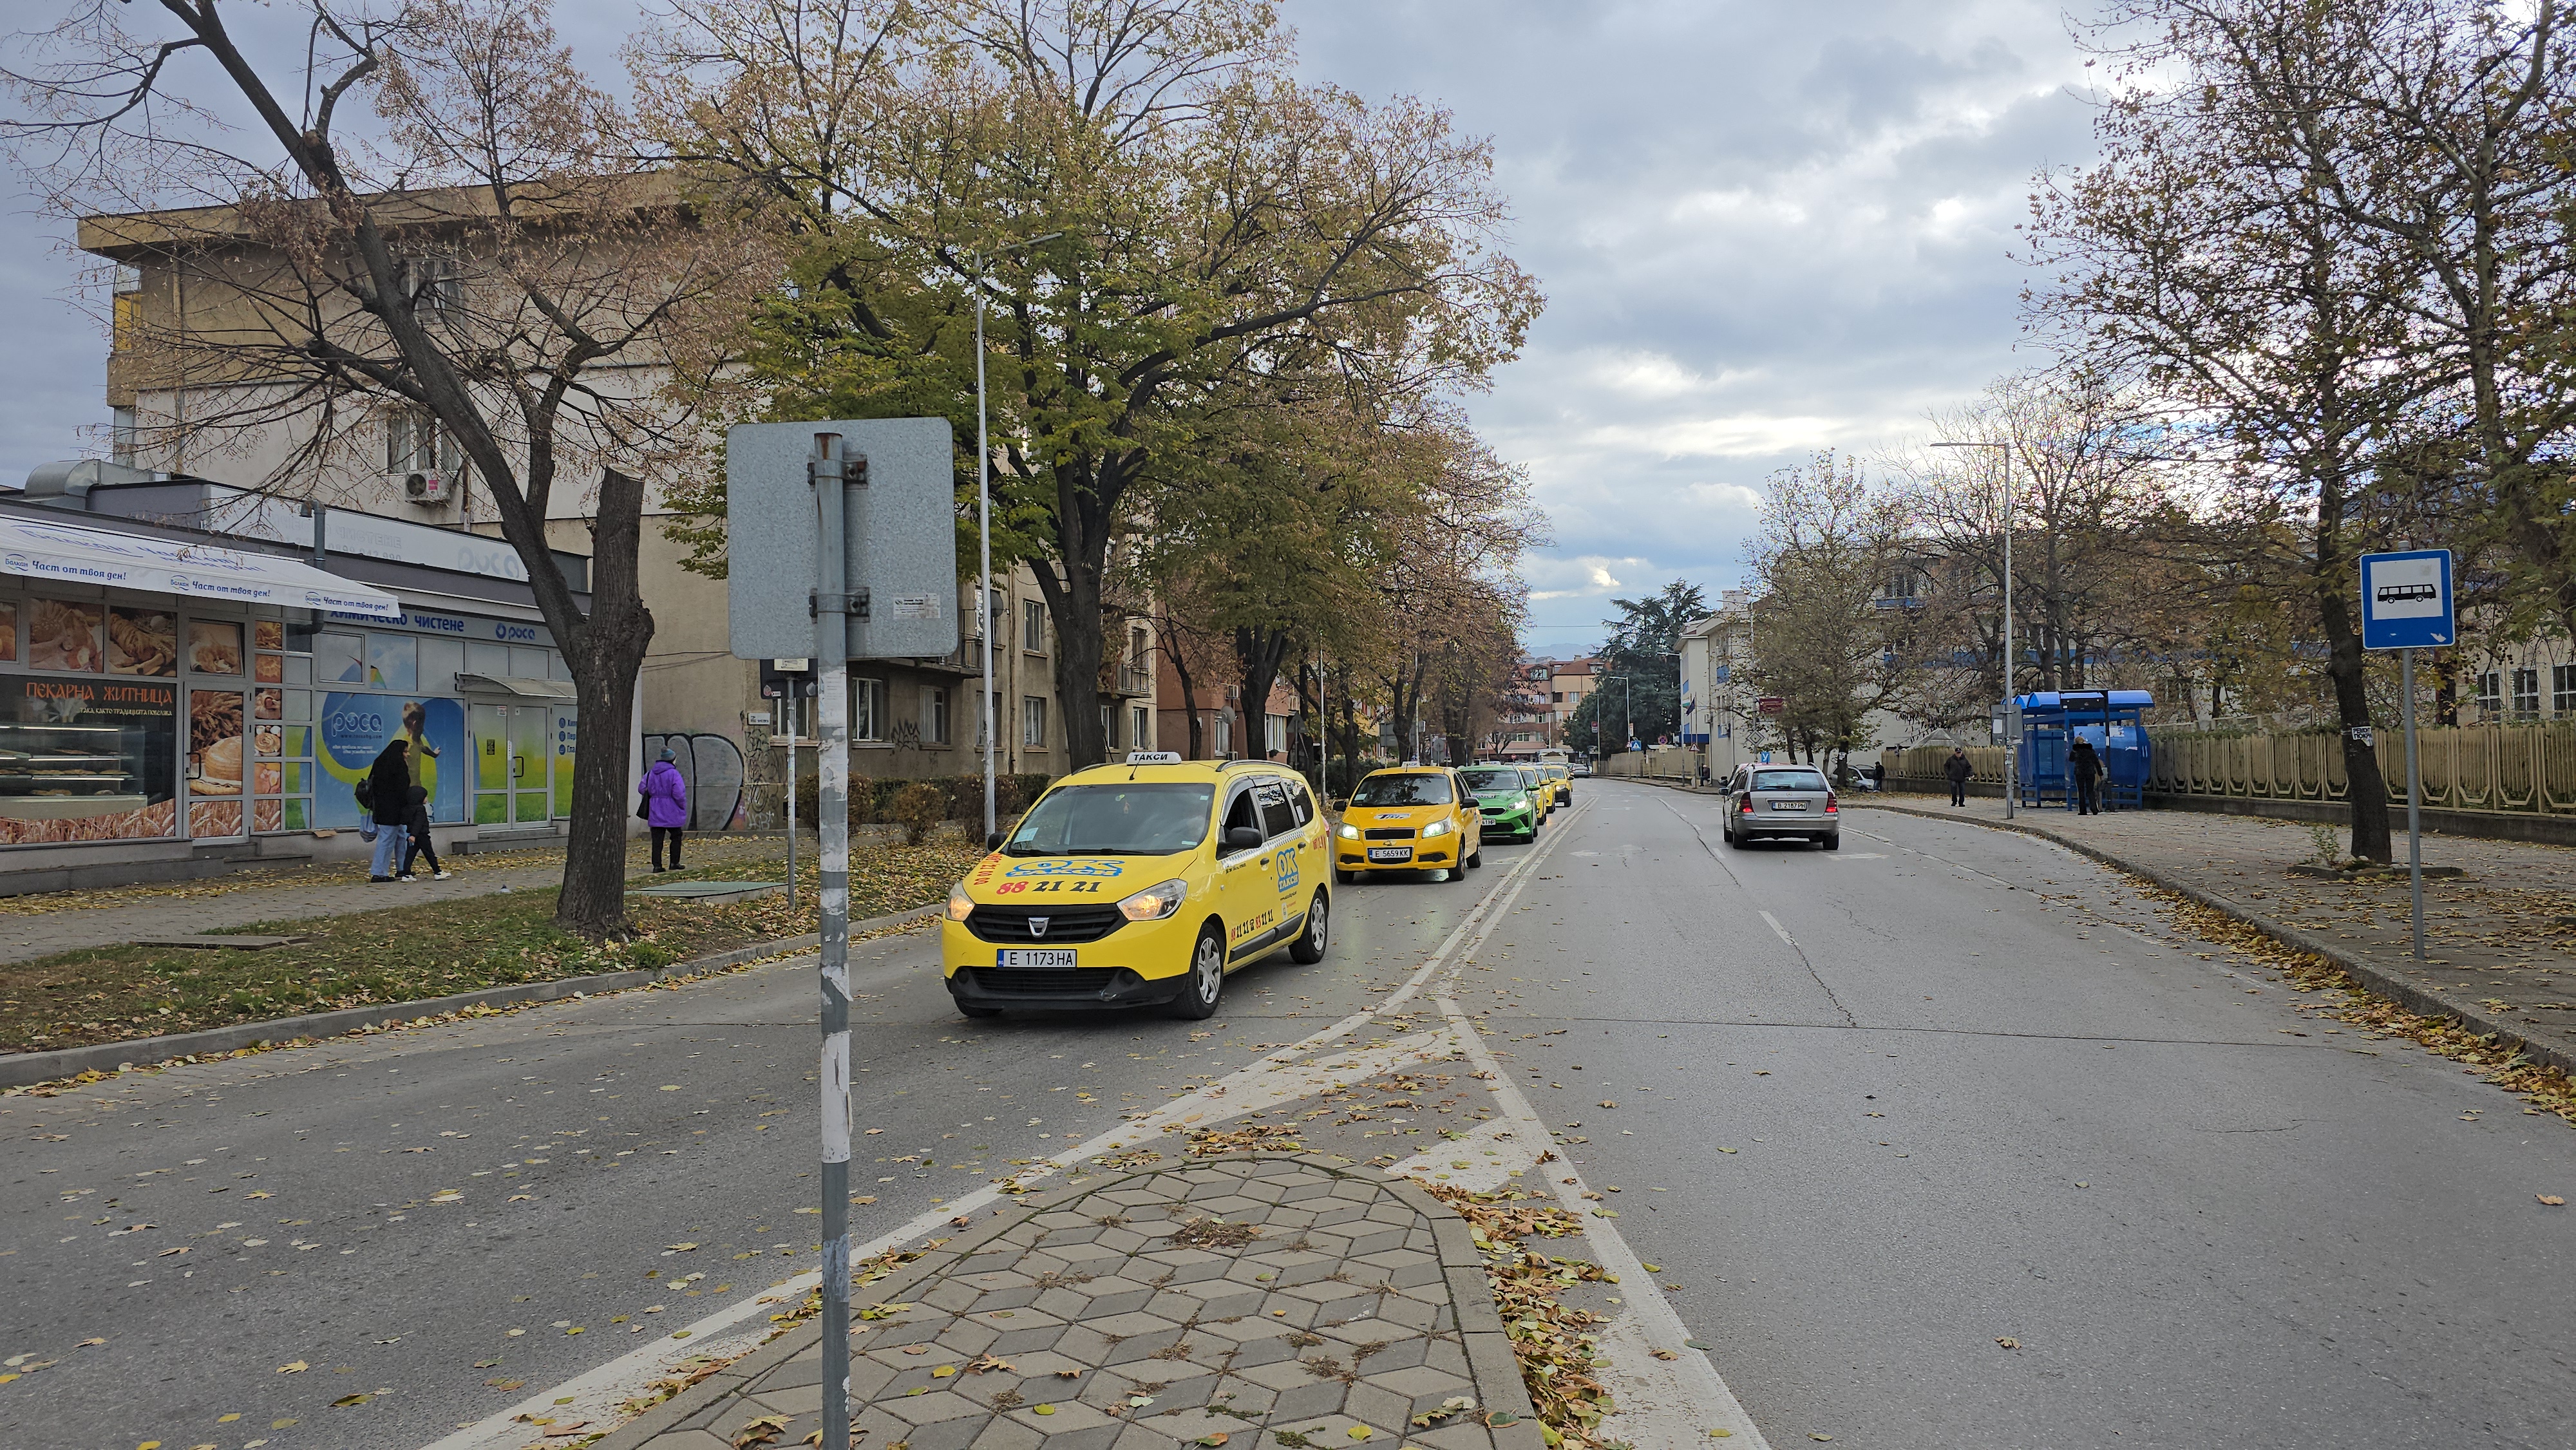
(408, 953)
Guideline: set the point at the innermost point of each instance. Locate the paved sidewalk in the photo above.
(2500, 942)
(1246, 1297)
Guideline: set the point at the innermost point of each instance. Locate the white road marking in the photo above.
(738, 1327)
(1781, 931)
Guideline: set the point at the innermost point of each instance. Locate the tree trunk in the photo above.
(604, 655)
(1072, 591)
(1257, 653)
(1189, 695)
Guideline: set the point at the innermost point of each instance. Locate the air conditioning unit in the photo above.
(431, 487)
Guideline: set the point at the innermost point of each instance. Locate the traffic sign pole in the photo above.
(2407, 605)
(2414, 802)
(832, 729)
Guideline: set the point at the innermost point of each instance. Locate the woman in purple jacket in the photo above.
(666, 807)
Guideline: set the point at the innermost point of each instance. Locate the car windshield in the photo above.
(1529, 775)
(1486, 782)
(1554, 772)
(1403, 790)
(1788, 780)
(1115, 820)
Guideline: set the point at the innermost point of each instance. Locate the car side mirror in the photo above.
(992, 840)
(1243, 838)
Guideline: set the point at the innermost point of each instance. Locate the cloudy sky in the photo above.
(1762, 229)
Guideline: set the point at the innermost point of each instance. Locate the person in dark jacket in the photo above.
(1958, 770)
(2086, 767)
(666, 806)
(389, 794)
(420, 845)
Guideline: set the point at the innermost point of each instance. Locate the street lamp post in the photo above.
(984, 531)
(2012, 716)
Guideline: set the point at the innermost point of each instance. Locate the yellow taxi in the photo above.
(1411, 818)
(1560, 779)
(1140, 884)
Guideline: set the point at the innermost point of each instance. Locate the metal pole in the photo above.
(984, 543)
(2012, 707)
(2414, 801)
(832, 729)
(787, 707)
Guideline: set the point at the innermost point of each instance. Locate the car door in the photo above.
(1291, 863)
(1471, 819)
(1247, 899)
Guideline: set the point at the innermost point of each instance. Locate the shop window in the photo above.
(527, 663)
(868, 709)
(9, 631)
(393, 662)
(142, 641)
(491, 661)
(340, 659)
(62, 635)
(214, 647)
(84, 760)
(440, 660)
(1033, 723)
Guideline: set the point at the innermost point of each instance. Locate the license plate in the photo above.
(1060, 957)
(1390, 853)
(1788, 805)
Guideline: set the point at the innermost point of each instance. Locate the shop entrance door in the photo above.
(512, 758)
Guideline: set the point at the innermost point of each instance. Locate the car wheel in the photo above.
(1735, 839)
(1833, 842)
(1454, 873)
(1310, 944)
(970, 1009)
(1477, 858)
(1206, 982)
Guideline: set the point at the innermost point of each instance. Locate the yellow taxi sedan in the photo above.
(1140, 884)
(1412, 818)
(1559, 779)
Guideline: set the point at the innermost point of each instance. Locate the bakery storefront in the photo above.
(160, 694)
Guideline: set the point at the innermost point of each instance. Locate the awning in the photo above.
(516, 686)
(66, 554)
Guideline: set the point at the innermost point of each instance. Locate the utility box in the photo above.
(899, 480)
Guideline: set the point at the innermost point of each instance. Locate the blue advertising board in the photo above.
(2406, 600)
(354, 730)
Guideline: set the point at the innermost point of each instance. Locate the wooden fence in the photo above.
(2513, 768)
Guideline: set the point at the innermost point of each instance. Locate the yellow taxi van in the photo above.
(1140, 884)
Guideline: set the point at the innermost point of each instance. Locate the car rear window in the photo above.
(1788, 780)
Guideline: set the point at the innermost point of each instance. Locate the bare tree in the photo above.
(484, 258)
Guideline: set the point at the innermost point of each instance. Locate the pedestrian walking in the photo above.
(418, 752)
(2086, 767)
(1958, 770)
(420, 845)
(666, 806)
(389, 805)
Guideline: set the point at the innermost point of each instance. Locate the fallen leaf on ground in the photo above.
(2009, 1342)
(297, 1367)
(678, 1248)
(762, 1431)
(86, 1343)
(2553, 1200)
(345, 1401)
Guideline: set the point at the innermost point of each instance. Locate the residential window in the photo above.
(415, 443)
(868, 709)
(1033, 723)
(934, 715)
(1140, 733)
(1275, 735)
(1109, 727)
(2491, 694)
(1033, 625)
(2562, 689)
(1139, 644)
(2526, 692)
(434, 284)
(120, 434)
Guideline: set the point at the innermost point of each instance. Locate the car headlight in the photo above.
(1436, 828)
(1350, 833)
(960, 905)
(1155, 902)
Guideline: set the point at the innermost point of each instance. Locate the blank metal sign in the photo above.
(901, 532)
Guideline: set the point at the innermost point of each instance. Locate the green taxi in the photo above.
(1503, 799)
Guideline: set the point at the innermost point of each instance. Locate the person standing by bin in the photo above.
(666, 806)
(389, 805)
(1958, 770)
(2086, 767)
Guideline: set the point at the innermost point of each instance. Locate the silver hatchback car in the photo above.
(1782, 801)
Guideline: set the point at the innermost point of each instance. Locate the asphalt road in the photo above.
(1876, 1111)
(1967, 1090)
(582, 1140)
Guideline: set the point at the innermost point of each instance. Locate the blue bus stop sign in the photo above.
(2406, 600)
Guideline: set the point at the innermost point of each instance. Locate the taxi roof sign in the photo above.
(1153, 757)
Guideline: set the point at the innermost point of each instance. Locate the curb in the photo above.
(1480, 1324)
(26, 1068)
(2407, 994)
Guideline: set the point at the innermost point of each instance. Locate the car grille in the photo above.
(1389, 833)
(1035, 981)
(1066, 926)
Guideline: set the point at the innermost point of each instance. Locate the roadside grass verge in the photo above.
(398, 954)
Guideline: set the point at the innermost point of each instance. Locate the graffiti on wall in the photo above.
(712, 765)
